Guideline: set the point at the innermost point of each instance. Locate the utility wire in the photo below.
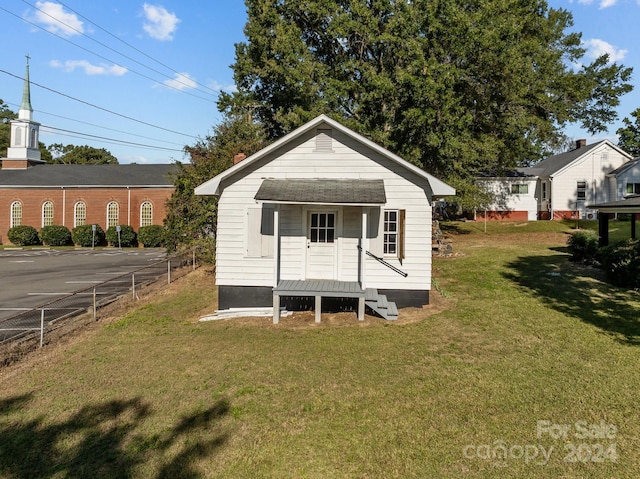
(132, 46)
(177, 80)
(98, 107)
(105, 58)
(53, 129)
(100, 126)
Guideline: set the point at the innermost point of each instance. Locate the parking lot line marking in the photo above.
(22, 261)
(82, 282)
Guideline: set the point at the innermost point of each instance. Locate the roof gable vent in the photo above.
(324, 140)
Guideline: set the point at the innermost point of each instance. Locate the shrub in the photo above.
(83, 235)
(151, 236)
(23, 235)
(55, 235)
(621, 263)
(128, 237)
(583, 245)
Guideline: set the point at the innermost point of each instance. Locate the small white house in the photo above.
(560, 186)
(324, 212)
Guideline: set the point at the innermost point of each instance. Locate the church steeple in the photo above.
(26, 111)
(24, 150)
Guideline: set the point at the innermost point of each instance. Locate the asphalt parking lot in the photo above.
(30, 278)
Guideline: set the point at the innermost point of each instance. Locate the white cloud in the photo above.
(159, 24)
(601, 5)
(182, 81)
(55, 20)
(216, 85)
(89, 69)
(596, 48)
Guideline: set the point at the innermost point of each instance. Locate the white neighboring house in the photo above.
(324, 212)
(561, 186)
(627, 179)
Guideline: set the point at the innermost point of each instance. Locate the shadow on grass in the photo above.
(580, 292)
(100, 441)
(453, 228)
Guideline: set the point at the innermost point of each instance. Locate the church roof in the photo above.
(91, 176)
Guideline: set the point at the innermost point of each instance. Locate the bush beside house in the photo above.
(126, 239)
(83, 236)
(151, 236)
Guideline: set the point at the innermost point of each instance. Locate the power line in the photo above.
(53, 129)
(103, 57)
(100, 126)
(99, 107)
(107, 46)
(133, 47)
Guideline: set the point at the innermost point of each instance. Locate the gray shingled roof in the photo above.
(554, 163)
(88, 176)
(625, 167)
(322, 191)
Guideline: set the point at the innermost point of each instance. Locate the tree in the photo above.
(191, 219)
(455, 87)
(6, 115)
(82, 155)
(629, 135)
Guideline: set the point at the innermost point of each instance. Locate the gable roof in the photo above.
(553, 164)
(628, 165)
(91, 176)
(212, 187)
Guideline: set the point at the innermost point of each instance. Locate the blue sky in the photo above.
(161, 66)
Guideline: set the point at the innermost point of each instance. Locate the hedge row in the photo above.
(149, 236)
(619, 261)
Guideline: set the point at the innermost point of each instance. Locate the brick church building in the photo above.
(38, 194)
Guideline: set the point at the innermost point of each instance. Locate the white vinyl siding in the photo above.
(403, 189)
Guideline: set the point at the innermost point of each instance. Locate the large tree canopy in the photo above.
(72, 154)
(453, 86)
(629, 135)
(6, 115)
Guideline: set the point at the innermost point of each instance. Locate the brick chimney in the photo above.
(238, 158)
(581, 143)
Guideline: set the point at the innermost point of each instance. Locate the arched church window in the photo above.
(47, 213)
(146, 213)
(16, 214)
(112, 214)
(79, 214)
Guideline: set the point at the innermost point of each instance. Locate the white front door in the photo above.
(322, 240)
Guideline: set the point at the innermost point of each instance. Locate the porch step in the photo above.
(379, 304)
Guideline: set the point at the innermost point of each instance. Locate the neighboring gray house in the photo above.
(324, 212)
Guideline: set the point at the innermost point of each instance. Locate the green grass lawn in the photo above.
(522, 346)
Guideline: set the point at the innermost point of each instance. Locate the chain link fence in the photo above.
(32, 328)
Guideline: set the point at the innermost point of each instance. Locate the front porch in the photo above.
(319, 288)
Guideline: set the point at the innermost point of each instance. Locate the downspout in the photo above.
(64, 206)
(550, 198)
(129, 205)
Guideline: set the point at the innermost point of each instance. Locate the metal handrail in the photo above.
(382, 261)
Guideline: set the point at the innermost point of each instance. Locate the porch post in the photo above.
(603, 228)
(633, 225)
(276, 263)
(363, 256)
(318, 308)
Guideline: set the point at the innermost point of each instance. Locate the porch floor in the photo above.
(319, 287)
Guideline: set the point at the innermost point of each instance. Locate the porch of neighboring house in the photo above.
(630, 205)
